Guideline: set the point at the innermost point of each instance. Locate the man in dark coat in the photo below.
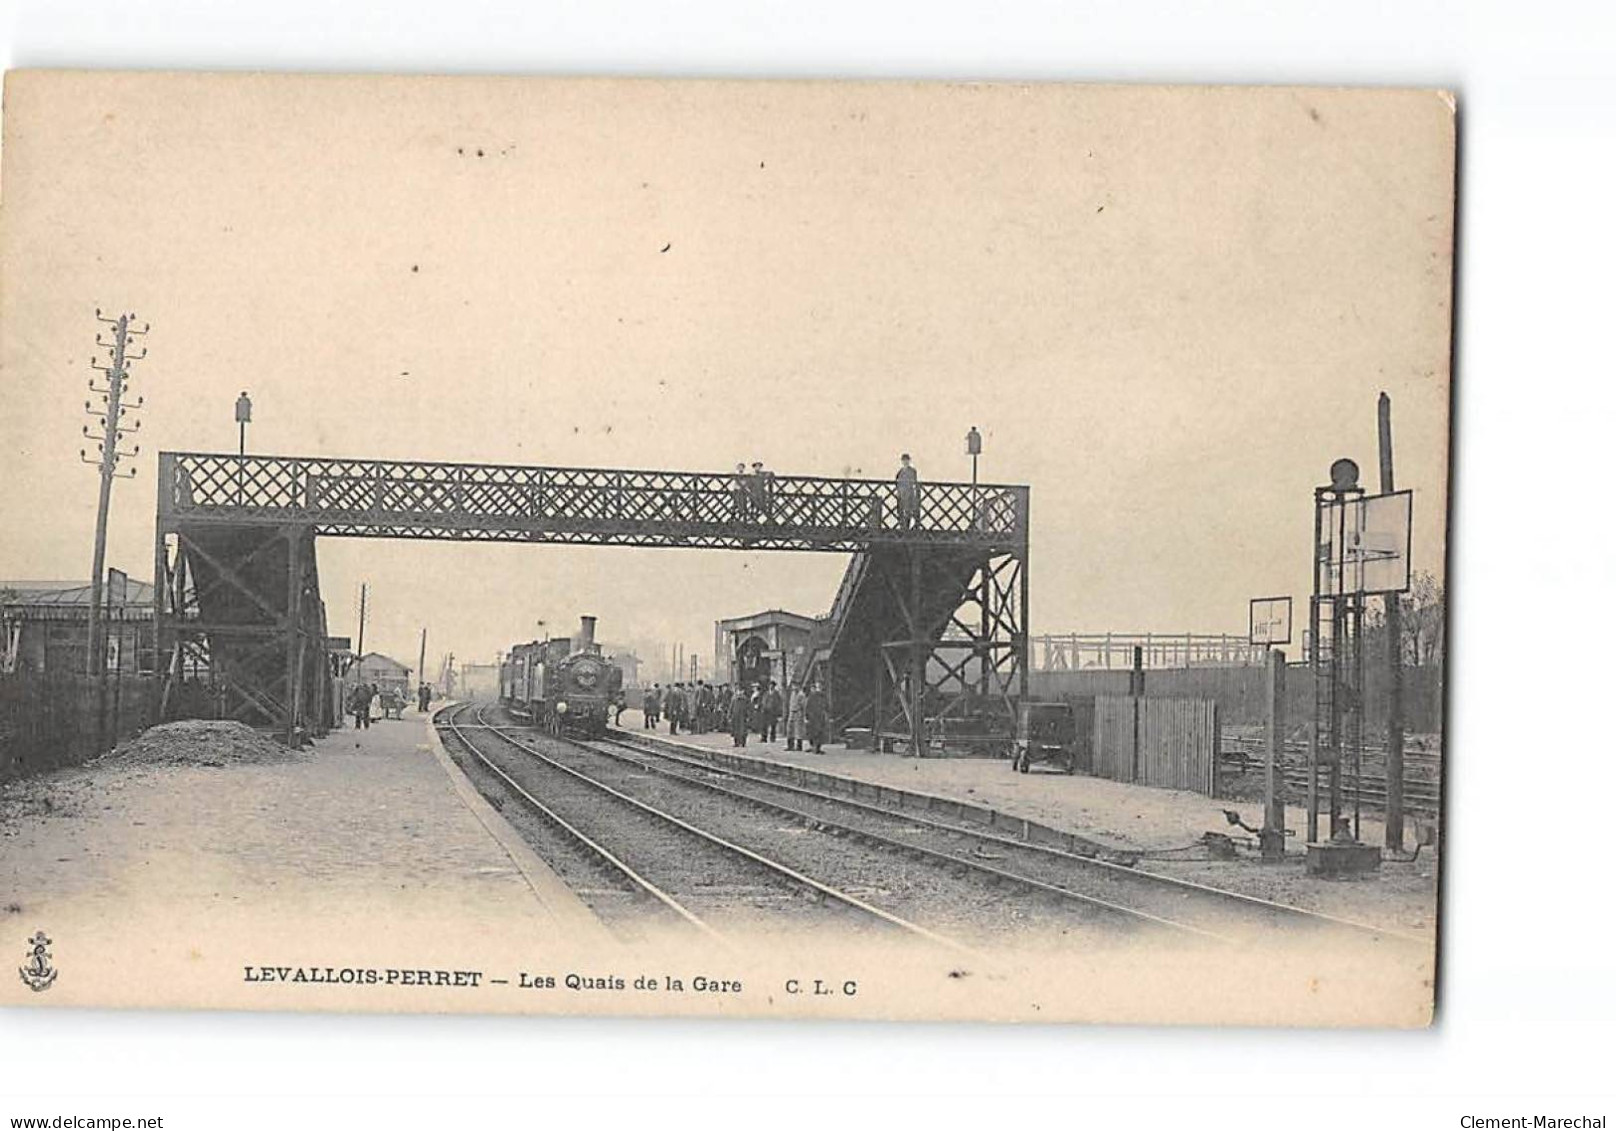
(359, 704)
(675, 707)
(653, 701)
(739, 707)
(704, 707)
(773, 708)
(908, 493)
(740, 490)
(759, 486)
(818, 711)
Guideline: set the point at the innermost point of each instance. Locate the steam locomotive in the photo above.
(561, 685)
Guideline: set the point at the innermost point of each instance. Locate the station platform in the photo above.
(1163, 825)
(367, 849)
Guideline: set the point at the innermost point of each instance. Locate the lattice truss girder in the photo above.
(488, 502)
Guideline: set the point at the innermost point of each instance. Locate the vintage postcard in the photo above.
(872, 550)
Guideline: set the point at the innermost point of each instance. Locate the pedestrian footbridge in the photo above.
(238, 581)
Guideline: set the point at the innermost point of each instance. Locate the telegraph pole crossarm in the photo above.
(111, 432)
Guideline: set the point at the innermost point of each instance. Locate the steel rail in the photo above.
(1316, 919)
(931, 855)
(773, 867)
(1428, 802)
(1419, 794)
(555, 820)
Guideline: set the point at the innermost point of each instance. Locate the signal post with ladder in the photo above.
(1361, 549)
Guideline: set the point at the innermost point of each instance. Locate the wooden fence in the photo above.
(1239, 694)
(53, 720)
(1168, 743)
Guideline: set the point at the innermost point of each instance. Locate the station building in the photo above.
(384, 672)
(45, 627)
(768, 645)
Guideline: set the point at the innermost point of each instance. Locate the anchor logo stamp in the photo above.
(38, 972)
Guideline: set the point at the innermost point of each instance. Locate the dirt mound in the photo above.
(201, 742)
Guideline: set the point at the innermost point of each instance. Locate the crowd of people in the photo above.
(763, 709)
(363, 695)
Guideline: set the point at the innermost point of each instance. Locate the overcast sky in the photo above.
(1166, 310)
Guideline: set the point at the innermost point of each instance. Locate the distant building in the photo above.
(386, 673)
(768, 645)
(625, 659)
(479, 681)
(45, 627)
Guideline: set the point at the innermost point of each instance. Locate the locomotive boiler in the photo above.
(561, 685)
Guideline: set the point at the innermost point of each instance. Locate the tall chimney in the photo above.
(586, 634)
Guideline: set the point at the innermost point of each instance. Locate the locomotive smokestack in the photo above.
(586, 634)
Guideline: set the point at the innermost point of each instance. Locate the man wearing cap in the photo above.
(908, 493)
(740, 489)
(762, 490)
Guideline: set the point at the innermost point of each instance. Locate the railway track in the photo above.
(657, 869)
(590, 868)
(964, 897)
(1421, 794)
(1041, 870)
(1418, 797)
(881, 867)
(1296, 750)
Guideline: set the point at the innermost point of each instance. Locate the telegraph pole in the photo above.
(112, 431)
(359, 648)
(420, 665)
(1394, 661)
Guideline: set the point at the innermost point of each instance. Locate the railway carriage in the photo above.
(561, 685)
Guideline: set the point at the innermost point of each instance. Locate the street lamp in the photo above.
(243, 418)
(973, 448)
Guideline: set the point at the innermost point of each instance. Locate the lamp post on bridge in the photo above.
(243, 418)
(973, 448)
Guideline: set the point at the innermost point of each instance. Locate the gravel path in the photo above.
(174, 875)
